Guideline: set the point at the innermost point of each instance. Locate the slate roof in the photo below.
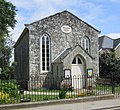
(115, 42)
(100, 42)
(66, 52)
(63, 55)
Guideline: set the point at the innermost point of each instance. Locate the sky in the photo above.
(104, 15)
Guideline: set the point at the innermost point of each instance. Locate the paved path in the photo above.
(113, 104)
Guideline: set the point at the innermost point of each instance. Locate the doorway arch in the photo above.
(77, 72)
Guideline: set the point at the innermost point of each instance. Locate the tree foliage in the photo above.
(7, 20)
(7, 16)
(109, 64)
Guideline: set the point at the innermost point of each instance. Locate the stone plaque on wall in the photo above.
(66, 29)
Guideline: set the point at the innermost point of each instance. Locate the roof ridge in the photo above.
(48, 16)
(64, 12)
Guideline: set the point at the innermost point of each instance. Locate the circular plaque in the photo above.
(66, 29)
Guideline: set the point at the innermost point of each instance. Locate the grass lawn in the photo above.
(34, 97)
(107, 88)
(46, 90)
(44, 94)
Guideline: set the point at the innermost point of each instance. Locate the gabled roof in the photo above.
(65, 11)
(101, 40)
(63, 54)
(21, 36)
(116, 42)
(68, 51)
(27, 25)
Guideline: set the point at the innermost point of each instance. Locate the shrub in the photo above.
(70, 96)
(66, 85)
(109, 65)
(3, 95)
(81, 94)
(85, 93)
(9, 87)
(4, 98)
(62, 94)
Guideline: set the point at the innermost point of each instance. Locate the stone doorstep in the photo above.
(54, 102)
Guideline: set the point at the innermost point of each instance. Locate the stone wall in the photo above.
(22, 57)
(85, 58)
(59, 40)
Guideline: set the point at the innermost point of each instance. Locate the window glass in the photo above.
(45, 52)
(85, 43)
(74, 61)
(79, 61)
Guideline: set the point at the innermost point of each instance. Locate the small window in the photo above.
(76, 60)
(85, 43)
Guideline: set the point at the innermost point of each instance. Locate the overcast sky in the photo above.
(104, 15)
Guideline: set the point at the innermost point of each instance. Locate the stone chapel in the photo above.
(58, 45)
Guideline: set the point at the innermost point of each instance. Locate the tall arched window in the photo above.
(85, 43)
(45, 53)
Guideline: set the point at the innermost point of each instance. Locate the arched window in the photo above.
(85, 43)
(45, 53)
(76, 60)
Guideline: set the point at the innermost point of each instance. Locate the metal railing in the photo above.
(51, 88)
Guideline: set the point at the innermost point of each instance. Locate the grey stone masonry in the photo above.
(59, 41)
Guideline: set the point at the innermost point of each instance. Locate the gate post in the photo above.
(113, 84)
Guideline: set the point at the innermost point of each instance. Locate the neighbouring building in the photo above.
(58, 45)
(107, 44)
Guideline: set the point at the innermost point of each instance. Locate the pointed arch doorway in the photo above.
(77, 72)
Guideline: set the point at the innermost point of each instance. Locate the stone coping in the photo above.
(53, 102)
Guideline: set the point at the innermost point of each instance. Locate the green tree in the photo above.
(7, 20)
(7, 16)
(109, 65)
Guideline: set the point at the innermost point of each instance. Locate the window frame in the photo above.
(85, 43)
(77, 61)
(47, 55)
